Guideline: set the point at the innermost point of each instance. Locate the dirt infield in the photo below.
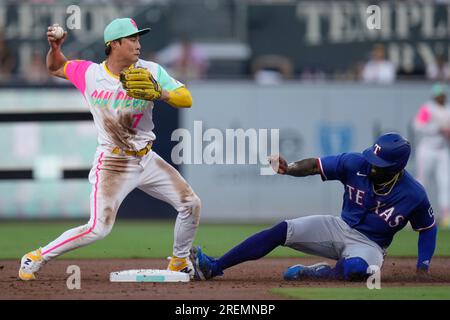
(248, 281)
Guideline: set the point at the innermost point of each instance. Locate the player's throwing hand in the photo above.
(53, 41)
(279, 165)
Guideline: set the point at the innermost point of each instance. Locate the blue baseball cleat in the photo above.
(203, 264)
(300, 272)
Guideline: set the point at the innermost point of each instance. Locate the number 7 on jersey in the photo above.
(137, 117)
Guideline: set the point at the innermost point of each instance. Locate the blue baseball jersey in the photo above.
(378, 217)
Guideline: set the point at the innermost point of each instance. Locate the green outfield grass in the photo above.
(153, 239)
(385, 293)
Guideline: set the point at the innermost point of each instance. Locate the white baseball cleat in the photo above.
(30, 264)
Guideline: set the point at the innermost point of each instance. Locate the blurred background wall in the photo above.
(308, 68)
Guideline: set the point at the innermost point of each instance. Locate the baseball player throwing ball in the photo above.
(120, 93)
(380, 198)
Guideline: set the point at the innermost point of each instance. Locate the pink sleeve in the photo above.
(75, 71)
(423, 116)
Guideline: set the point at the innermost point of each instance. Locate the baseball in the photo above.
(58, 32)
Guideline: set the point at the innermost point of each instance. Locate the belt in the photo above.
(140, 153)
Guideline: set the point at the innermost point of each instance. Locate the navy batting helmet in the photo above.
(390, 151)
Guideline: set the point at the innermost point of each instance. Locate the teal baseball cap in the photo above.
(438, 89)
(121, 28)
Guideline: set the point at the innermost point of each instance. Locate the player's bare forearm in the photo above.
(178, 98)
(302, 168)
(55, 60)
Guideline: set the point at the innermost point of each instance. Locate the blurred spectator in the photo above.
(271, 69)
(313, 74)
(7, 60)
(353, 73)
(432, 124)
(151, 56)
(185, 60)
(378, 69)
(36, 70)
(42, 1)
(438, 71)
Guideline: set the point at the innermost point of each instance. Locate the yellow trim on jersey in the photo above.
(112, 74)
(109, 72)
(65, 67)
(180, 98)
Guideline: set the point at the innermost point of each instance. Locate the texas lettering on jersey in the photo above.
(388, 216)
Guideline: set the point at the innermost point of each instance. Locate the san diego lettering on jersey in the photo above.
(105, 99)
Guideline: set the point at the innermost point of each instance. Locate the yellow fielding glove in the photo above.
(140, 84)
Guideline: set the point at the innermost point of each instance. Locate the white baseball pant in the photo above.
(434, 164)
(331, 237)
(113, 177)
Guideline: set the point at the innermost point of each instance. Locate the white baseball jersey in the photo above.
(432, 151)
(121, 121)
(126, 123)
(428, 122)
